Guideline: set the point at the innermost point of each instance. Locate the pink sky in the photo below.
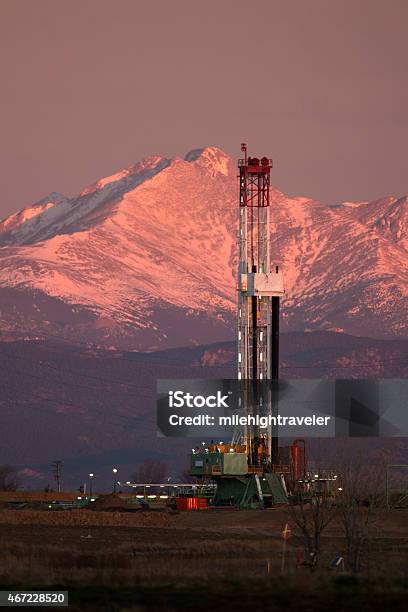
(91, 86)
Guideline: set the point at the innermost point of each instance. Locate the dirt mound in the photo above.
(111, 503)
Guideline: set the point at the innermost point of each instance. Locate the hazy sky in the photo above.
(89, 87)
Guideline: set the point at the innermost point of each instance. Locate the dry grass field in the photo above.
(219, 559)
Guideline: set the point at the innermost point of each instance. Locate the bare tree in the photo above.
(8, 478)
(150, 471)
(361, 507)
(310, 517)
(360, 495)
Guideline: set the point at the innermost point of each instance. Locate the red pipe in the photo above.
(299, 458)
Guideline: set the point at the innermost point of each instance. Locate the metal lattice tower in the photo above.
(260, 285)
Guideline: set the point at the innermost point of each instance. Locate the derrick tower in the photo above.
(260, 286)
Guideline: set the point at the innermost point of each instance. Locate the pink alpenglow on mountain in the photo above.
(145, 259)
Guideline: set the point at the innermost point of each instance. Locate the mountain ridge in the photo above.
(147, 258)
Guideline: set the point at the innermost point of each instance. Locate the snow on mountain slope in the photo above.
(145, 258)
(389, 216)
(340, 274)
(14, 222)
(45, 219)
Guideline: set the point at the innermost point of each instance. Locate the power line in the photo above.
(139, 388)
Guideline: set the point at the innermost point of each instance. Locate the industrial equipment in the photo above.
(249, 471)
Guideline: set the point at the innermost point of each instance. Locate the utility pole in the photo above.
(56, 470)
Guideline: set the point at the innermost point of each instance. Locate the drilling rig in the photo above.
(260, 286)
(248, 470)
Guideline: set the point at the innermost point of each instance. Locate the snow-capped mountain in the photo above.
(145, 258)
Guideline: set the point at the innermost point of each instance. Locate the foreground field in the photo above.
(197, 560)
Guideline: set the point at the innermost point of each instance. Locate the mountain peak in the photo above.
(211, 158)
